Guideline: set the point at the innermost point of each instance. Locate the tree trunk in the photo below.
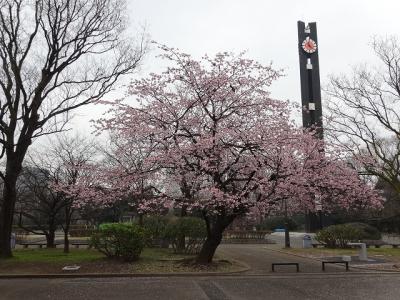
(50, 238)
(66, 241)
(181, 245)
(13, 169)
(6, 214)
(210, 246)
(68, 216)
(141, 220)
(287, 236)
(215, 228)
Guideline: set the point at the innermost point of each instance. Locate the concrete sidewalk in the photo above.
(305, 286)
(260, 257)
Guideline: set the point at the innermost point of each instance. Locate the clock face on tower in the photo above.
(309, 45)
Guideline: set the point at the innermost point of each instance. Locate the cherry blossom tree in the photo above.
(216, 129)
(130, 172)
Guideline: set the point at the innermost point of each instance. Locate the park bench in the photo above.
(27, 244)
(286, 264)
(335, 262)
(81, 243)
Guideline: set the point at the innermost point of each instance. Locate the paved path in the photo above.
(306, 286)
(260, 258)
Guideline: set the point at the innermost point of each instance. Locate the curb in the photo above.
(245, 268)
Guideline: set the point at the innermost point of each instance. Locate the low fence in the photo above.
(81, 230)
(74, 231)
(246, 237)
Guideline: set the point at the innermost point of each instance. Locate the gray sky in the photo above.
(267, 30)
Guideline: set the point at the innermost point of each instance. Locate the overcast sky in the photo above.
(267, 30)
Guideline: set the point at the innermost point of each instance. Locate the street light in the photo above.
(318, 208)
(287, 236)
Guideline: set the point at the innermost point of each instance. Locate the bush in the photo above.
(337, 236)
(368, 232)
(155, 227)
(277, 222)
(119, 240)
(190, 229)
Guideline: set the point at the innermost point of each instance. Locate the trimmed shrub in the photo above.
(368, 232)
(190, 229)
(337, 236)
(155, 227)
(119, 240)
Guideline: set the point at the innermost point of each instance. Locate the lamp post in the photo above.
(287, 236)
(318, 208)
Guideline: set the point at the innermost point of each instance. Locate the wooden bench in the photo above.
(27, 244)
(286, 264)
(77, 244)
(335, 262)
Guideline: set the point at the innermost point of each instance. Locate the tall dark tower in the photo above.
(310, 96)
(309, 76)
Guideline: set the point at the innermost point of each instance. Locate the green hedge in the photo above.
(190, 229)
(368, 232)
(337, 236)
(155, 227)
(119, 240)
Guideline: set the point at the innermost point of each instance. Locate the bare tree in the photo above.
(66, 159)
(365, 114)
(39, 207)
(55, 55)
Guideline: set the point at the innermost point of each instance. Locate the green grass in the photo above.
(84, 255)
(152, 260)
(54, 256)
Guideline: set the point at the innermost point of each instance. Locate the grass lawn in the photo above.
(152, 260)
(52, 256)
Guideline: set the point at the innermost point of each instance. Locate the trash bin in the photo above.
(12, 241)
(307, 241)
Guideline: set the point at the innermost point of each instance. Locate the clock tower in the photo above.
(309, 76)
(310, 98)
